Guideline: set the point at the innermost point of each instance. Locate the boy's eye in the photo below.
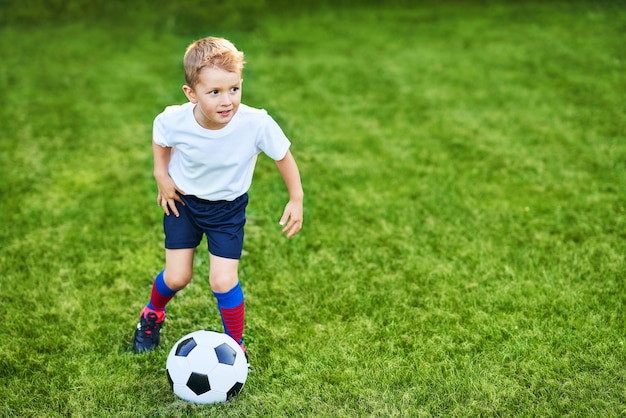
(213, 92)
(234, 89)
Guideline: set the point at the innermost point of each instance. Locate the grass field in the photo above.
(463, 254)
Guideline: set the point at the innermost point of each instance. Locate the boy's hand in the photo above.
(293, 213)
(169, 195)
(292, 218)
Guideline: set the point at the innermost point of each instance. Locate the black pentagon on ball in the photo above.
(225, 354)
(234, 391)
(185, 347)
(198, 383)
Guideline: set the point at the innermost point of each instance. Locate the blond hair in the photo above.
(211, 52)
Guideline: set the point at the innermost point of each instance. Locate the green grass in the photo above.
(464, 165)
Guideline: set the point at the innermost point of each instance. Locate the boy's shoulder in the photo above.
(251, 112)
(175, 110)
(244, 110)
(182, 115)
(174, 115)
(249, 117)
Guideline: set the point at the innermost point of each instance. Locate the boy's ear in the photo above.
(191, 95)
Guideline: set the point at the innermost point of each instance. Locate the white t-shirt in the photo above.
(217, 164)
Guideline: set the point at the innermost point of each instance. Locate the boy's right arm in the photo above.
(168, 191)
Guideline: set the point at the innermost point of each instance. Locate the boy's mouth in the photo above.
(224, 113)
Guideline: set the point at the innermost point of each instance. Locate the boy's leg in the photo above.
(160, 295)
(178, 267)
(177, 274)
(224, 281)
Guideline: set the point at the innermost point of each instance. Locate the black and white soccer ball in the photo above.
(206, 367)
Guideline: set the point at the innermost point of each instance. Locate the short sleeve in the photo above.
(159, 135)
(273, 141)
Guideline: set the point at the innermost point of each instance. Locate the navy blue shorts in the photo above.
(221, 221)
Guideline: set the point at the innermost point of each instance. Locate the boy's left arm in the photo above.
(293, 214)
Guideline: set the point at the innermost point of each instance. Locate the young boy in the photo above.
(204, 157)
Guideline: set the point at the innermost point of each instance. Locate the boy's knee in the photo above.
(177, 281)
(223, 282)
(223, 274)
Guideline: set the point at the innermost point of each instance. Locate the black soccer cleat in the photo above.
(148, 332)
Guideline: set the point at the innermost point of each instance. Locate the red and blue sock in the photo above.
(161, 294)
(232, 308)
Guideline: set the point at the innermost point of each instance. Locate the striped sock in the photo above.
(232, 308)
(161, 294)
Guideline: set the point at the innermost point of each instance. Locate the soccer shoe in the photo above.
(148, 332)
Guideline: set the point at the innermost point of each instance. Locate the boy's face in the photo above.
(217, 97)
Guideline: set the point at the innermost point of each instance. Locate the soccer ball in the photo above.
(206, 367)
